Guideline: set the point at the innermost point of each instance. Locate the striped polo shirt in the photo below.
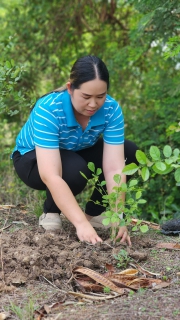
(52, 125)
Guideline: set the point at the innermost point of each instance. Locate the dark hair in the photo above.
(86, 69)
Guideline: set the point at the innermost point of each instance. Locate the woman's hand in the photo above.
(123, 234)
(86, 232)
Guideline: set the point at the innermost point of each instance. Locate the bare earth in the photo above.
(36, 269)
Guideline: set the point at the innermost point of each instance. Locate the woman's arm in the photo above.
(50, 170)
(113, 163)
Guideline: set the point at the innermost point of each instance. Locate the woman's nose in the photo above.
(92, 103)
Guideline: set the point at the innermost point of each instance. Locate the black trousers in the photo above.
(72, 163)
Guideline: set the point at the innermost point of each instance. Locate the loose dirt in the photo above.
(36, 271)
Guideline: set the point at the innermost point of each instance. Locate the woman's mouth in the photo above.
(91, 111)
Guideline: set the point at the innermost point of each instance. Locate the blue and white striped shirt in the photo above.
(52, 125)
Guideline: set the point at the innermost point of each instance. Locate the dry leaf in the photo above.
(91, 297)
(90, 287)
(144, 283)
(161, 285)
(99, 279)
(148, 223)
(129, 272)
(168, 245)
(144, 271)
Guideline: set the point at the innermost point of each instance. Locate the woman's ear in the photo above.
(68, 85)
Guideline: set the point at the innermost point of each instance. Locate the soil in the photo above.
(36, 272)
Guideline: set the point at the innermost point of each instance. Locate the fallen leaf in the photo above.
(168, 245)
(144, 283)
(144, 271)
(90, 287)
(99, 279)
(110, 267)
(129, 272)
(148, 223)
(93, 297)
(161, 286)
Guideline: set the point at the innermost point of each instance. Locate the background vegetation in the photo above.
(140, 43)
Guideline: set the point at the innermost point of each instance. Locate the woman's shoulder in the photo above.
(111, 102)
(51, 100)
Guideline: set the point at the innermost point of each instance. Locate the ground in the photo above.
(36, 273)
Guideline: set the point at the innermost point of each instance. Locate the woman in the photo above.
(62, 135)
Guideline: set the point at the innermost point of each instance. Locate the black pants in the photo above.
(72, 164)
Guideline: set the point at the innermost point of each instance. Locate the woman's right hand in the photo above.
(86, 232)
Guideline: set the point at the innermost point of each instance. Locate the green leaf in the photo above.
(176, 152)
(117, 178)
(141, 157)
(169, 161)
(145, 173)
(154, 153)
(12, 62)
(8, 64)
(168, 169)
(177, 175)
(141, 201)
(83, 175)
(130, 169)
(167, 151)
(123, 187)
(108, 214)
(133, 183)
(98, 171)
(115, 219)
(106, 221)
(144, 228)
(160, 166)
(91, 166)
(134, 228)
(103, 183)
(138, 195)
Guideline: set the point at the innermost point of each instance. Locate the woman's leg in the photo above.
(72, 164)
(95, 154)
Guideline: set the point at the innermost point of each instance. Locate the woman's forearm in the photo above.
(65, 200)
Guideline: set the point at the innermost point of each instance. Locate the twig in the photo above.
(52, 284)
(82, 295)
(4, 228)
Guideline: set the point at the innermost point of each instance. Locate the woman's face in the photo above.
(89, 98)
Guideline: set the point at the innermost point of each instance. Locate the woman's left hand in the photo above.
(123, 234)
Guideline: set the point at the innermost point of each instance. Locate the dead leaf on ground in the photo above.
(144, 271)
(99, 279)
(168, 245)
(161, 286)
(129, 272)
(148, 223)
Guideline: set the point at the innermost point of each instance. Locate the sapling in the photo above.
(113, 204)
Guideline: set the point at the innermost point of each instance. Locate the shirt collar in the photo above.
(97, 119)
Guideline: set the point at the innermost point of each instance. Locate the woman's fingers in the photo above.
(123, 234)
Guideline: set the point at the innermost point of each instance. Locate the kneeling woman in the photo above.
(63, 133)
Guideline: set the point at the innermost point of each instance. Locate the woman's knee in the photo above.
(72, 166)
